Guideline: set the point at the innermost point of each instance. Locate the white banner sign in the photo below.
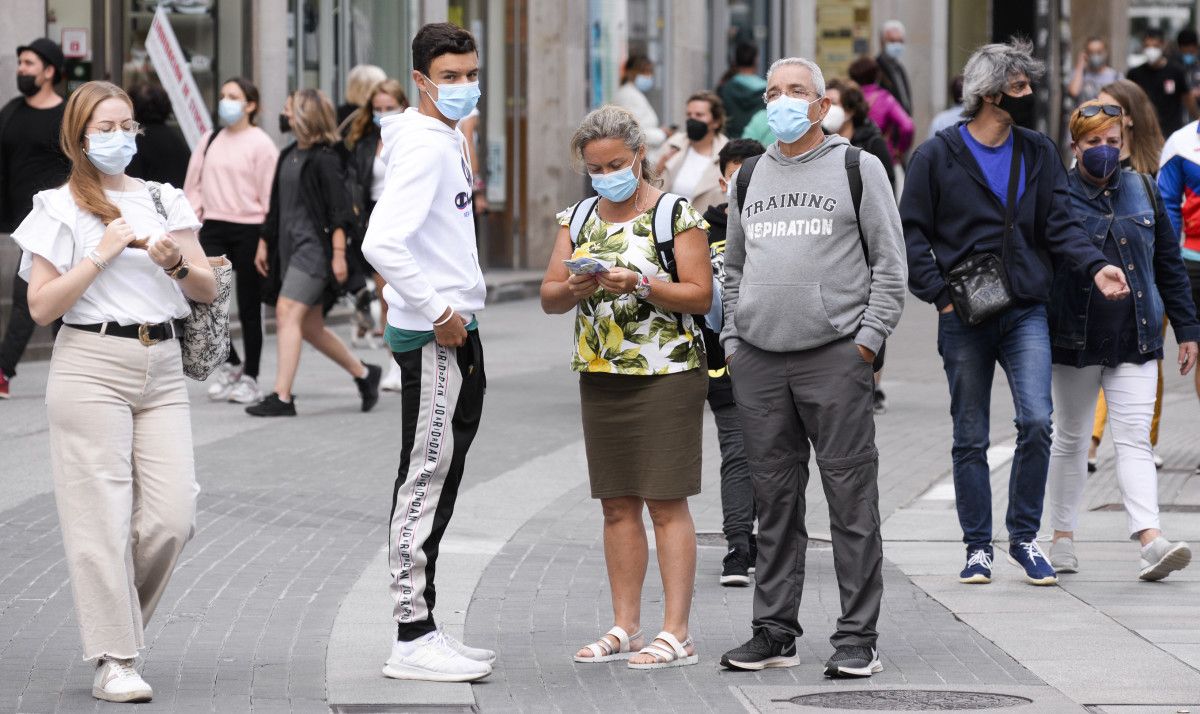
(177, 80)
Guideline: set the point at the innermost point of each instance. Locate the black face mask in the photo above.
(696, 129)
(284, 125)
(27, 84)
(1021, 109)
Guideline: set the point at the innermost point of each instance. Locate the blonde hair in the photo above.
(313, 120)
(364, 114)
(612, 122)
(1081, 126)
(85, 180)
(1144, 139)
(359, 82)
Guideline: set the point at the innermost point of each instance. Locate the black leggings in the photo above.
(238, 242)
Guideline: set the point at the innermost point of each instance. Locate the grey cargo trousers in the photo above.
(787, 400)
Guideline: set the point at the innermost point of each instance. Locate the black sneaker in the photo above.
(762, 652)
(853, 661)
(753, 552)
(273, 406)
(880, 402)
(368, 386)
(735, 569)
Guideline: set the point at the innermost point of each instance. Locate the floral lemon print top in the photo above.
(621, 334)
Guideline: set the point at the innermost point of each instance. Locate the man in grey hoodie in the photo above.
(809, 302)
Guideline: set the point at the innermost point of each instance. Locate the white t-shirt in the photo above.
(378, 177)
(133, 289)
(690, 172)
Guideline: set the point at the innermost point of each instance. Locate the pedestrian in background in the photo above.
(951, 115)
(303, 252)
(1115, 344)
(1164, 81)
(737, 490)
(162, 154)
(741, 89)
(229, 187)
(1187, 45)
(1179, 185)
(1140, 151)
(814, 284)
(118, 262)
(885, 110)
(1092, 71)
(987, 203)
(422, 241)
(359, 82)
(637, 79)
(848, 117)
(31, 159)
(640, 357)
(689, 161)
(892, 75)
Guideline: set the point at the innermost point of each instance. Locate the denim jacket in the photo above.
(1150, 258)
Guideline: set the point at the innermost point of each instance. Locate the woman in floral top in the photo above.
(642, 381)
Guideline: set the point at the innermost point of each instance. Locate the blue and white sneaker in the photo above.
(1029, 557)
(979, 566)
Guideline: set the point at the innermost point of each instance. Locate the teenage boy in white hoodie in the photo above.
(421, 239)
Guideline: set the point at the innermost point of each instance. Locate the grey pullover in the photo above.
(795, 274)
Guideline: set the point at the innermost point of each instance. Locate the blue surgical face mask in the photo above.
(616, 186)
(112, 151)
(455, 101)
(230, 111)
(644, 82)
(1188, 59)
(788, 118)
(1101, 161)
(895, 50)
(380, 116)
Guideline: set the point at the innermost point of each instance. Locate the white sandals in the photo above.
(664, 658)
(603, 651)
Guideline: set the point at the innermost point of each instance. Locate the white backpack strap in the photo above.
(583, 211)
(664, 230)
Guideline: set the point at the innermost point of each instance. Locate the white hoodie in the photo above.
(421, 237)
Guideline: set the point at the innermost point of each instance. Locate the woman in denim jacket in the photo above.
(1115, 344)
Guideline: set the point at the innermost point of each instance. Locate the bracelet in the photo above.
(443, 322)
(97, 260)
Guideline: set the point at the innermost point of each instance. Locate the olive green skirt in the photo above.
(643, 434)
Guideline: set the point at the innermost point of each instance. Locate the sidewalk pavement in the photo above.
(281, 603)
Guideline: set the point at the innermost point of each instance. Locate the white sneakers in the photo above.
(117, 681)
(438, 657)
(245, 391)
(226, 377)
(392, 381)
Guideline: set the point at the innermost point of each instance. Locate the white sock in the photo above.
(405, 648)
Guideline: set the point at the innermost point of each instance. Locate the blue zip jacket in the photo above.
(950, 213)
(1150, 256)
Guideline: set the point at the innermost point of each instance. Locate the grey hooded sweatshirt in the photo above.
(795, 274)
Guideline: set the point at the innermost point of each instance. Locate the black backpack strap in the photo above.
(854, 176)
(663, 226)
(743, 179)
(211, 136)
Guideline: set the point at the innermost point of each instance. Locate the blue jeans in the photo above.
(1019, 340)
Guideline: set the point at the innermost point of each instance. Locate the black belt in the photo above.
(146, 334)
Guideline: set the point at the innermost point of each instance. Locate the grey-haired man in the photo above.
(814, 284)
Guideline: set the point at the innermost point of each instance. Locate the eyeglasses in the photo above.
(128, 126)
(1092, 110)
(793, 92)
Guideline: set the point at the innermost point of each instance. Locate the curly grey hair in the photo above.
(992, 67)
(611, 122)
(817, 76)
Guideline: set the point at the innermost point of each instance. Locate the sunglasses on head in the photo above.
(1092, 110)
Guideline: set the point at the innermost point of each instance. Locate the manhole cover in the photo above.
(908, 700)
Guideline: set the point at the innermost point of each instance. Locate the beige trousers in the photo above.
(124, 479)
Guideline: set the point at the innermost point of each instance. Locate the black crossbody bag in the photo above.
(978, 285)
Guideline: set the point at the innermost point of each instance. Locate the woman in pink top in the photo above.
(229, 186)
(885, 111)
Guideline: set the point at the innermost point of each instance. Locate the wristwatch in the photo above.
(641, 289)
(180, 271)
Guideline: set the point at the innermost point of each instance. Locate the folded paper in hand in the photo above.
(587, 266)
